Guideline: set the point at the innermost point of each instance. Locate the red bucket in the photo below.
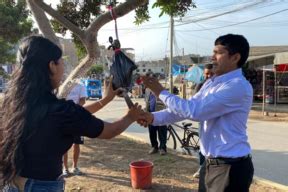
(141, 174)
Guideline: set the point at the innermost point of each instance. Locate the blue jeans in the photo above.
(33, 185)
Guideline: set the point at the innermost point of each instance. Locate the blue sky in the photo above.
(196, 32)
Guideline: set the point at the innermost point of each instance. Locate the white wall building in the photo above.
(152, 66)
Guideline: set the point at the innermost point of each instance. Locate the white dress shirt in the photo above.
(78, 92)
(222, 104)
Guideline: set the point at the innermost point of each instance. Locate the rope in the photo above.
(113, 15)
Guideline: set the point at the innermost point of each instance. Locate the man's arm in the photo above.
(165, 117)
(159, 118)
(229, 98)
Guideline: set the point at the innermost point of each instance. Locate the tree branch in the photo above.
(65, 22)
(119, 11)
(43, 22)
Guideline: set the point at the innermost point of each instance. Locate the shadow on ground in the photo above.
(106, 167)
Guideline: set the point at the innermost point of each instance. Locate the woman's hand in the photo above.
(135, 112)
(145, 119)
(109, 92)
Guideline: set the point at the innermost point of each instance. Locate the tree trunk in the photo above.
(93, 52)
(43, 22)
(88, 37)
(79, 71)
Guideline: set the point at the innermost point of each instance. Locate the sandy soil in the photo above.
(106, 167)
(258, 115)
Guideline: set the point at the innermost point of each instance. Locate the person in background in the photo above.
(78, 95)
(207, 73)
(39, 128)
(154, 104)
(222, 104)
(139, 85)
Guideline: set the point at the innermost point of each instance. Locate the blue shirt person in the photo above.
(223, 105)
(153, 104)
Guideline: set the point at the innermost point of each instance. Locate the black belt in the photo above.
(223, 160)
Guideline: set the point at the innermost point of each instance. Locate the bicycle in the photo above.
(190, 140)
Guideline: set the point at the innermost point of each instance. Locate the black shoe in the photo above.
(153, 150)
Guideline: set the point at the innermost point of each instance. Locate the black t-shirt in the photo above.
(43, 151)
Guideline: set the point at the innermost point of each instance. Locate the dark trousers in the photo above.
(226, 177)
(162, 135)
(202, 187)
(201, 158)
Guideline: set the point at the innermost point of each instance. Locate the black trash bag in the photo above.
(122, 67)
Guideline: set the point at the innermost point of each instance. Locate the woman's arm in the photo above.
(111, 130)
(108, 96)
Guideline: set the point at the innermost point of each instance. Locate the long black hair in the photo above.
(25, 103)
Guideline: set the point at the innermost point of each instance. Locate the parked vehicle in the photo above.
(93, 88)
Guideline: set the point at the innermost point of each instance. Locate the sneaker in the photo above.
(196, 174)
(76, 171)
(65, 173)
(153, 150)
(162, 152)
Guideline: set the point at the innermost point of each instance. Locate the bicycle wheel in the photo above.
(171, 136)
(192, 142)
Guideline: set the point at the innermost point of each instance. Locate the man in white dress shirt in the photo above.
(78, 95)
(223, 105)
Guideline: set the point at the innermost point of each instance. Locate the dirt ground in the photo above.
(258, 115)
(106, 167)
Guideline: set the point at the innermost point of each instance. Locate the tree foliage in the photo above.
(81, 13)
(95, 69)
(14, 24)
(6, 50)
(3, 73)
(175, 8)
(142, 14)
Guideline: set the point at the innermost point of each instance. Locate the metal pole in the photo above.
(171, 53)
(275, 90)
(263, 92)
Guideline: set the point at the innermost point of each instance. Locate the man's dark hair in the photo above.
(235, 44)
(208, 66)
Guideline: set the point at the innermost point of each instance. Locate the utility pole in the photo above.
(275, 90)
(264, 112)
(171, 53)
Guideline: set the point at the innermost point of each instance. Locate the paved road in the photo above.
(268, 141)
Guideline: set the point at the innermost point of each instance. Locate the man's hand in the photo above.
(145, 119)
(153, 84)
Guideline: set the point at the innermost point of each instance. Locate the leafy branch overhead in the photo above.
(175, 8)
(82, 14)
(14, 24)
(142, 14)
(85, 18)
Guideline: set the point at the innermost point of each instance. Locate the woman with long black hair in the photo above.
(38, 128)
